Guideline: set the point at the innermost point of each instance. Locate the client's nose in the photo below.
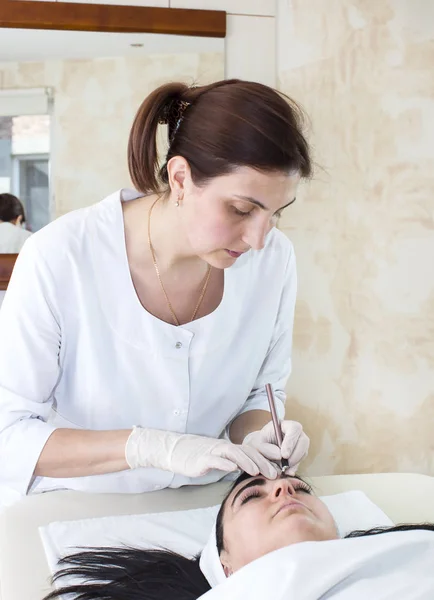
(282, 487)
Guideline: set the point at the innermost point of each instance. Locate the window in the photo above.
(30, 182)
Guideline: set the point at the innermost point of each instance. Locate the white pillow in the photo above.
(186, 531)
(354, 510)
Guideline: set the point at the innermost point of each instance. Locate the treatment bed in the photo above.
(24, 571)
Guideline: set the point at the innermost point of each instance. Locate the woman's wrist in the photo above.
(150, 448)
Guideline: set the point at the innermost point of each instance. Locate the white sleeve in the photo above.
(29, 367)
(277, 364)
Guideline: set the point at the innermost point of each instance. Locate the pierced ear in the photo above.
(178, 171)
(228, 571)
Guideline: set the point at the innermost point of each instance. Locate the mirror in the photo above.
(67, 102)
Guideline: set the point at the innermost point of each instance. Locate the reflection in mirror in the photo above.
(67, 102)
(24, 168)
(31, 154)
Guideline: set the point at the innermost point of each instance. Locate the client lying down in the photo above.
(293, 539)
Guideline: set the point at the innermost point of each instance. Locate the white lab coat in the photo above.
(12, 238)
(77, 349)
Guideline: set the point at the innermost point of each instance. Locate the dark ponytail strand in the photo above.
(142, 143)
(130, 574)
(391, 529)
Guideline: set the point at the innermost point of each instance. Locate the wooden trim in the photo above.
(24, 14)
(7, 262)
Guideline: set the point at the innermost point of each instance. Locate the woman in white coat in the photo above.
(137, 335)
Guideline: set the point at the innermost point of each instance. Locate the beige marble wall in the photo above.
(94, 105)
(363, 379)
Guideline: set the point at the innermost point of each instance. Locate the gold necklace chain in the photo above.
(157, 270)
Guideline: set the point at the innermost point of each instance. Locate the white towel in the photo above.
(396, 566)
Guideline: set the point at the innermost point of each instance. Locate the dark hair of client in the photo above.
(10, 208)
(133, 574)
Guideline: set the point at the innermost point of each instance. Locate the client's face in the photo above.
(261, 515)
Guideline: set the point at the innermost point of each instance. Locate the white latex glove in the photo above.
(295, 444)
(192, 455)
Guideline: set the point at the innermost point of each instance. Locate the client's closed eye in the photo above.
(301, 486)
(249, 495)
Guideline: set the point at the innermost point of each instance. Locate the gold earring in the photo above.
(177, 203)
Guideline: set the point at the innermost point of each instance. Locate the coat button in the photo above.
(178, 345)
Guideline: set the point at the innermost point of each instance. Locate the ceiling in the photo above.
(34, 45)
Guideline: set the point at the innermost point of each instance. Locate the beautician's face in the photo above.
(223, 215)
(262, 515)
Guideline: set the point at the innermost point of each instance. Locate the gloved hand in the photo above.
(295, 444)
(192, 455)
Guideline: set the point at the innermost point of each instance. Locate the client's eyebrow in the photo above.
(252, 482)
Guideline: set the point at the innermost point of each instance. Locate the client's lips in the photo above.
(234, 254)
(290, 504)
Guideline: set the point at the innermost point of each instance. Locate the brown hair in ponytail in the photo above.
(217, 128)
